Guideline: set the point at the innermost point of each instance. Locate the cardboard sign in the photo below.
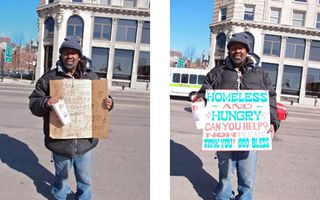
(237, 120)
(84, 102)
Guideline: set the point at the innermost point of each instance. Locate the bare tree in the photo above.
(189, 53)
(18, 39)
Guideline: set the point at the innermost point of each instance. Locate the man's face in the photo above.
(238, 53)
(70, 58)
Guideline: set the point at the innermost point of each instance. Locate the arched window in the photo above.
(221, 43)
(251, 41)
(49, 28)
(75, 26)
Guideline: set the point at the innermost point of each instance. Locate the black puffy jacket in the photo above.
(37, 100)
(253, 78)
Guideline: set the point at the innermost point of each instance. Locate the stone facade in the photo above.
(60, 11)
(229, 17)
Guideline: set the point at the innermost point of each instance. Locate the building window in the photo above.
(127, 30)
(129, 3)
(50, 1)
(78, 1)
(318, 21)
(301, 0)
(223, 14)
(295, 48)
(272, 70)
(291, 80)
(221, 43)
(100, 57)
(75, 26)
(275, 15)
(145, 38)
(272, 45)
(298, 18)
(248, 12)
(313, 83)
(102, 28)
(122, 66)
(144, 66)
(106, 2)
(314, 50)
(49, 28)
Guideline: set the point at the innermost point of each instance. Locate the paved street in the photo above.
(290, 171)
(121, 162)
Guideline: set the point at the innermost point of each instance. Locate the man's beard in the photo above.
(70, 66)
(237, 60)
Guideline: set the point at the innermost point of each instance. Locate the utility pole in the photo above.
(2, 62)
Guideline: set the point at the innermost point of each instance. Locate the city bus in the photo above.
(185, 82)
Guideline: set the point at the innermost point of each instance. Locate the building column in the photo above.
(134, 73)
(40, 61)
(281, 66)
(304, 75)
(112, 50)
(59, 34)
(212, 50)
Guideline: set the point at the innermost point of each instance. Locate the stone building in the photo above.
(115, 34)
(284, 33)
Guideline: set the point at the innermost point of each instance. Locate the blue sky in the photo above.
(189, 22)
(189, 25)
(19, 19)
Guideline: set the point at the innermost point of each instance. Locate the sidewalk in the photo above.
(11, 81)
(300, 107)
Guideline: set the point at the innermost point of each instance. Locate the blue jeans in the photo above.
(245, 163)
(83, 172)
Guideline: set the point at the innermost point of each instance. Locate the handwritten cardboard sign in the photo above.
(83, 99)
(237, 120)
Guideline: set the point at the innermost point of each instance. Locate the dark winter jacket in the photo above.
(37, 100)
(253, 78)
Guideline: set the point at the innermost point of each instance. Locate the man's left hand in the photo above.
(271, 130)
(107, 102)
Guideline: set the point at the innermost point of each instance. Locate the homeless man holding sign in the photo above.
(240, 72)
(67, 153)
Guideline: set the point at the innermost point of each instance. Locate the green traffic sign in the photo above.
(8, 56)
(180, 63)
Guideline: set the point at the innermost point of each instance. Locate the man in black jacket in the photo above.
(241, 71)
(67, 153)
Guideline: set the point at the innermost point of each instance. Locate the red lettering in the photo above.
(241, 106)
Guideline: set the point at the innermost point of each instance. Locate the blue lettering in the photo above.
(243, 143)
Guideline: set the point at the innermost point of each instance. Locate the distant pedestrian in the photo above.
(67, 153)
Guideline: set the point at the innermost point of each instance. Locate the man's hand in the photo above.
(51, 101)
(196, 98)
(271, 131)
(107, 102)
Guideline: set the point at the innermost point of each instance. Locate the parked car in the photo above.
(282, 111)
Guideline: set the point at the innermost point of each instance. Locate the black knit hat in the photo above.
(72, 43)
(239, 38)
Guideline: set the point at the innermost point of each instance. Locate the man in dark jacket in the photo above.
(241, 71)
(67, 153)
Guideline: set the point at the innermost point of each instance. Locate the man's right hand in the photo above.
(197, 98)
(51, 101)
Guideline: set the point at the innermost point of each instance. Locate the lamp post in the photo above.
(2, 63)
